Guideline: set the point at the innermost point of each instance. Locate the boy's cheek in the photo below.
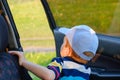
(62, 52)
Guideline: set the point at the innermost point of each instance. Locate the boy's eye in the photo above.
(89, 54)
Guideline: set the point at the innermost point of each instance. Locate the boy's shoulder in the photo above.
(62, 59)
(65, 59)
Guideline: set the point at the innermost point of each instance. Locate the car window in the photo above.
(32, 25)
(102, 15)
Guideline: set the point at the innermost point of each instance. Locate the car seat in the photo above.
(9, 67)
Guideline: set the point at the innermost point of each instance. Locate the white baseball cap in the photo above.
(82, 39)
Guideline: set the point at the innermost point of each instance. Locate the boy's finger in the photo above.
(14, 52)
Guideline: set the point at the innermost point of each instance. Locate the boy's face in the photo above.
(65, 48)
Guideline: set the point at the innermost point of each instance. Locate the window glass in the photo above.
(35, 35)
(32, 25)
(101, 15)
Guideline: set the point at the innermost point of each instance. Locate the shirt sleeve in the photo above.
(56, 66)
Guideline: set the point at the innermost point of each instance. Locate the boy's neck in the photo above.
(80, 60)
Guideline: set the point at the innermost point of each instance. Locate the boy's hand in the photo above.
(20, 55)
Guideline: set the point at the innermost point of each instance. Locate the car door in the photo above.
(101, 15)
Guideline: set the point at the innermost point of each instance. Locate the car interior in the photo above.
(106, 67)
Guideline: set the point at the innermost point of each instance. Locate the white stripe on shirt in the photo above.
(73, 65)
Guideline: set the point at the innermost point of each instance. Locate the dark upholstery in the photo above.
(3, 34)
(9, 68)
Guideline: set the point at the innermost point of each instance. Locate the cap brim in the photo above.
(63, 30)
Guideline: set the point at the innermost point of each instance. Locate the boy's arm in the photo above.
(40, 71)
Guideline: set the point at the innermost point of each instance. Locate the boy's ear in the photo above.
(67, 50)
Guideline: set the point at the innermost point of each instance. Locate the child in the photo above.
(79, 46)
